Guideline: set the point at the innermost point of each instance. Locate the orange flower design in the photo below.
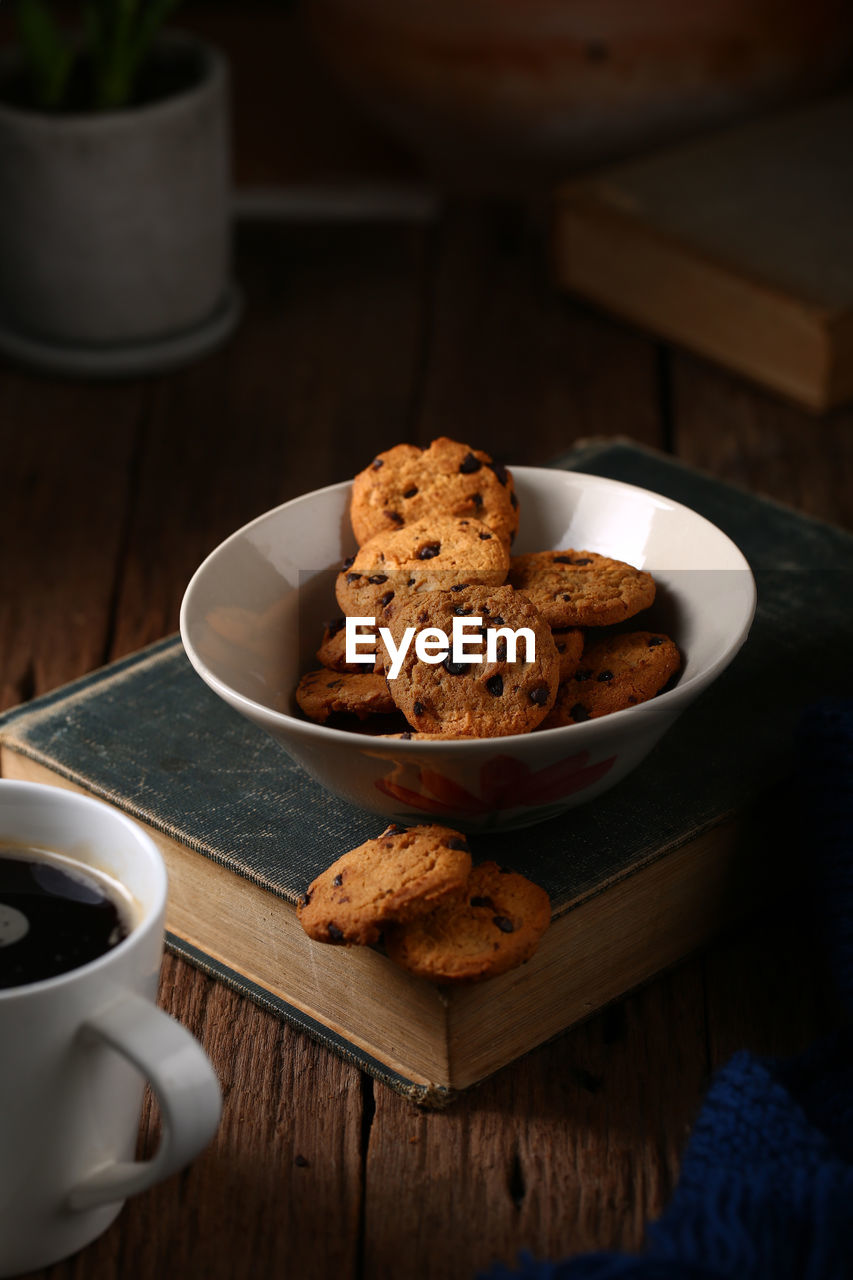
(505, 783)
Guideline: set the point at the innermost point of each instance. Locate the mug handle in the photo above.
(184, 1082)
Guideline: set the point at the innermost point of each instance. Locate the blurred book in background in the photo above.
(738, 245)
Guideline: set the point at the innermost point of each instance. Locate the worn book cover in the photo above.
(637, 878)
(738, 245)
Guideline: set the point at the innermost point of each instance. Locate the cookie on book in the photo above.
(580, 588)
(431, 554)
(407, 483)
(494, 927)
(482, 698)
(393, 878)
(569, 642)
(321, 694)
(615, 672)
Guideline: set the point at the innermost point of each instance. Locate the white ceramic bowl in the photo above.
(250, 634)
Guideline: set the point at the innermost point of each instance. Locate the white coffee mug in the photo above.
(75, 1050)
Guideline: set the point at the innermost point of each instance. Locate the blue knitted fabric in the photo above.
(766, 1184)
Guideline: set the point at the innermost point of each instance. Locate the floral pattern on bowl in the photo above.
(505, 783)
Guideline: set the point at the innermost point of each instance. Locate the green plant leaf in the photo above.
(152, 18)
(49, 55)
(121, 33)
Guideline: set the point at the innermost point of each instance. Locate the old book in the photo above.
(738, 246)
(637, 878)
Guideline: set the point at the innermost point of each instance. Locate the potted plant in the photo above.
(114, 219)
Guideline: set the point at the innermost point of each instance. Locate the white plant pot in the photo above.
(115, 227)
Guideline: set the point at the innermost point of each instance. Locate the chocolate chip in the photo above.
(497, 620)
(564, 597)
(410, 493)
(430, 550)
(353, 577)
(418, 708)
(477, 499)
(460, 586)
(377, 463)
(540, 695)
(336, 934)
(484, 537)
(480, 901)
(463, 611)
(300, 1162)
(394, 516)
(579, 713)
(338, 880)
(346, 564)
(335, 625)
(454, 668)
(423, 617)
(563, 560)
(410, 582)
(386, 599)
(505, 925)
(457, 843)
(500, 471)
(561, 648)
(469, 464)
(376, 578)
(495, 686)
(583, 561)
(655, 640)
(406, 736)
(305, 898)
(604, 676)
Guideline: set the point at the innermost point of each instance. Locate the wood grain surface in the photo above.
(356, 337)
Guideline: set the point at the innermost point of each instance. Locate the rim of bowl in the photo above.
(683, 692)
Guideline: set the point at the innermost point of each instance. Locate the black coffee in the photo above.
(55, 915)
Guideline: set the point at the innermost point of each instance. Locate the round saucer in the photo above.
(127, 359)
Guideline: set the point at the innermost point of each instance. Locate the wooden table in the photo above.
(357, 337)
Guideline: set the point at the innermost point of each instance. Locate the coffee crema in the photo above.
(55, 915)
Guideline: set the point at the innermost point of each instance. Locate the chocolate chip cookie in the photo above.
(321, 694)
(332, 651)
(509, 692)
(580, 588)
(494, 927)
(406, 483)
(395, 877)
(569, 642)
(615, 672)
(432, 554)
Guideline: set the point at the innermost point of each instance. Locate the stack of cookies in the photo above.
(434, 528)
(414, 889)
